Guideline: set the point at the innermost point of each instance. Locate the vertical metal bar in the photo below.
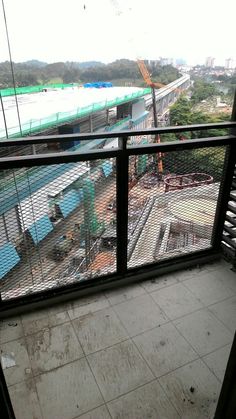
(122, 190)
(154, 104)
(224, 192)
(90, 123)
(226, 406)
(4, 116)
(233, 116)
(7, 411)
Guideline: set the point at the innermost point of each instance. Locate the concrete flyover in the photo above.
(169, 94)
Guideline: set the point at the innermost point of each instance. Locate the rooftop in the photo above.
(155, 349)
(44, 109)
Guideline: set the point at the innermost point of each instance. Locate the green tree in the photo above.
(202, 91)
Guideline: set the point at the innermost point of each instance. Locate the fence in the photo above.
(82, 218)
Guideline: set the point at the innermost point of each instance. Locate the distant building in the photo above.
(180, 61)
(210, 62)
(229, 63)
(166, 61)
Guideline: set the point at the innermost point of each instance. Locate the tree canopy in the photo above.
(36, 72)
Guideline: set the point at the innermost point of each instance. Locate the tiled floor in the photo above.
(155, 350)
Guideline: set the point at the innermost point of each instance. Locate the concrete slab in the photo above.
(225, 311)
(164, 349)
(217, 361)
(99, 330)
(203, 331)
(53, 347)
(41, 319)
(121, 294)
(193, 390)
(99, 413)
(68, 391)
(208, 288)
(11, 329)
(148, 401)
(119, 369)
(87, 305)
(140, 314)
(25, 401)
(176, 301)
(20, 368)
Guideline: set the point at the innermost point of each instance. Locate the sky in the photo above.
(106, 30)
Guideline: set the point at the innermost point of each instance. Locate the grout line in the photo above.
(140, 387)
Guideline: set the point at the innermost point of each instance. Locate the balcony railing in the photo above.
(74, 219)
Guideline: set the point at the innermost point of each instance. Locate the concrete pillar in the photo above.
(107, 116)
(91, 123)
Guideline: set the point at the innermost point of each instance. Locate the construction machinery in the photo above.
(146, 77)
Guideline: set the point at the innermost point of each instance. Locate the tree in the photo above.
(202, 91)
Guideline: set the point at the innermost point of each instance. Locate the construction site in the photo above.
(58, 222)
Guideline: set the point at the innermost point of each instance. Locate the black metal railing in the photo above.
(76, 219)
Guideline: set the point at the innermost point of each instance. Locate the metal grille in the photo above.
(57, 225)
(229, 233)
(172, 203)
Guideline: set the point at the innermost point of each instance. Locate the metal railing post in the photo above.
(122, 189)
(224, 195)
(7, 411)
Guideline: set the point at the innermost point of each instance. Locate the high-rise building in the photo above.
(210, 62)
(229, 63)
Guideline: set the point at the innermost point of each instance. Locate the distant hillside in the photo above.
(35, 72)
(88, 64)
(35, 63)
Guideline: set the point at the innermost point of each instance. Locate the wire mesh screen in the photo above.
(172, 203)
(57, 225)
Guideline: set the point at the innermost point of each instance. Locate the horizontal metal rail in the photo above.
(115, 134)
(121, 154)
(78, 156)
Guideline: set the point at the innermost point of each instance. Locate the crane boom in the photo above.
(146, 76)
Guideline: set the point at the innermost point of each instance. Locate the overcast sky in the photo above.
(105, 30)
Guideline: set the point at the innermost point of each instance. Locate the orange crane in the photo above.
(146, 77)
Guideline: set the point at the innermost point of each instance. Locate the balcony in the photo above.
(115, 301)
(149, 350)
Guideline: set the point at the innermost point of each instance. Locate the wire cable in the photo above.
(11, 64)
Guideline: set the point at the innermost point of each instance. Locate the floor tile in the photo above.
(38, 320)
(176, 301)
(87, 305)
(164, 349)
(99, 330)
(35, 321)
(10, 329)
(148, 401)
(121, 294)
(68, 391)
(215, 265)
(99, 413)
(25, 400)
(158, 283)
(188, 273)
(53, 347)
(226, 312)
(193, 390)
(217, 361)
(208, 288)
(119, 369)
(228, 277)
(140, 314)
(15, 361)
(203, 331)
